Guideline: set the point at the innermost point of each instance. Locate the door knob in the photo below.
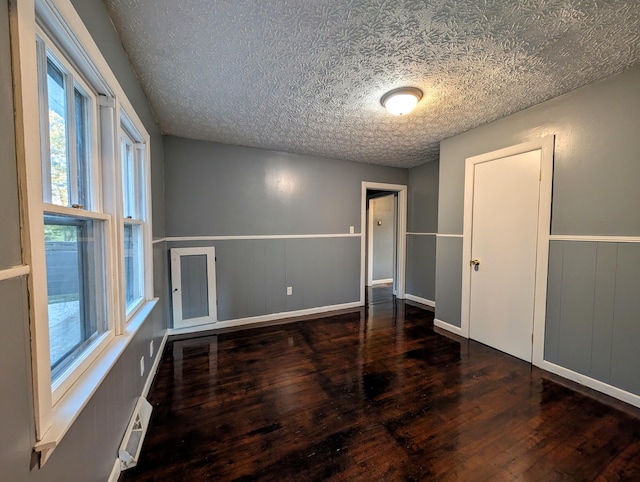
(475, 262)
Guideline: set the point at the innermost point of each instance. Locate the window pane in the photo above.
(133, 264)
(68, 141)
(75, 286)
(81, 107)
(57, 136)
(128, 179)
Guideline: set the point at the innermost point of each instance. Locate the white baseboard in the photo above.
(423, 301)
(152, 373)
(381, 281)
(589, 382)
(257, 320)
(620, 394)
(115, 471)
(448, 327)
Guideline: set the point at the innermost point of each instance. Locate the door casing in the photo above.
(176, 286)
(401, 235)
(545, 145)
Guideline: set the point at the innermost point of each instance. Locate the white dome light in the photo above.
(401, 101)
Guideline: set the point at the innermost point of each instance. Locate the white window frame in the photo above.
(57, 407)
(45, 50)
(130, 130)
(51, 50)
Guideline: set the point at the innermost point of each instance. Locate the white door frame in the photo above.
(370, 246)
(176, 286)
(401, 231)
(545, 145)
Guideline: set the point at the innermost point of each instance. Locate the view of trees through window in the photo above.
(58, 153)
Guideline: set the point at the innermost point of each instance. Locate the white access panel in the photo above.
(193, 286)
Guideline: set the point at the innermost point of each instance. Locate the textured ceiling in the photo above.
(306, 76)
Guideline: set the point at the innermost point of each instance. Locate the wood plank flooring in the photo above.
(376, 394)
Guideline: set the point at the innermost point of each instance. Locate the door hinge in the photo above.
(540, 175)
(531, 338)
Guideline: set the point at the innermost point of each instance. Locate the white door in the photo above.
(193, 286)
(506, 193)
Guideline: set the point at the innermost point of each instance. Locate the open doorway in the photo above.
(381, 237)
(384, 208)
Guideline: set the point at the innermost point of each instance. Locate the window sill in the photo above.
(67, 409)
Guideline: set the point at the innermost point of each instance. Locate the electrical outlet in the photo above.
(352, 229)
(151, 349)
(141, 366)
(289, 290)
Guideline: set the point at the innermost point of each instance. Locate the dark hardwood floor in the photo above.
(375, 394)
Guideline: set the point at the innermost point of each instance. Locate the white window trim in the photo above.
(141, 141)
(55, 415)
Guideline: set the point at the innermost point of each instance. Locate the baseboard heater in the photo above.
(134, 436)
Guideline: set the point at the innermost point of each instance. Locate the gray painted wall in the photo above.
(423, 218)
(421, 266)
(596, 164)
(448, 279)
(223, 190)
(16, 416)
(252, 275)
(9, 215)
(596, 170)
(423, 198)
(592, 310)
(88, 450)
(383, 210)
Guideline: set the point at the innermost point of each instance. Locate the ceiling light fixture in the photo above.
(401, 101)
